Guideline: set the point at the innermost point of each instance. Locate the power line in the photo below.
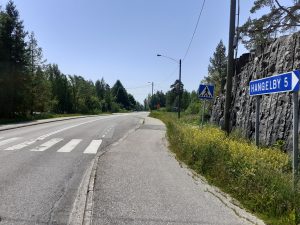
(200, 14)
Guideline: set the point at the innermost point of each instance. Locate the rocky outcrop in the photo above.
(276, 115)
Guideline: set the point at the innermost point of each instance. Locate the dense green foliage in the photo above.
(260, 179)
(28, 86)
(217, 69)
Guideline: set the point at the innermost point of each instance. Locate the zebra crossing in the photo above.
(69, 146)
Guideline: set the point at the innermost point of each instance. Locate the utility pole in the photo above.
(152, 95)
(230, 66)
(179, 88)
(179, 97)
(152, 88)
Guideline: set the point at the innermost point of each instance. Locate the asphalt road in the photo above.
(42, 166)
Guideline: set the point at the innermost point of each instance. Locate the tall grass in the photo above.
(261, 179)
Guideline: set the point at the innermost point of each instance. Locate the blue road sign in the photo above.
(275, 84)
(206, 91)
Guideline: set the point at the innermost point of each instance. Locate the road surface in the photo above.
(139, 182)
(42, 166)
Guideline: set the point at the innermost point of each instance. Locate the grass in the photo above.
(261, 179)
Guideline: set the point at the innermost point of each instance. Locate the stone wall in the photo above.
(276, 116)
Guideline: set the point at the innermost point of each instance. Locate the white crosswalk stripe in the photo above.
(47, 145)
(93, 147)
(20, 146)
(70, 145)
(7, 141)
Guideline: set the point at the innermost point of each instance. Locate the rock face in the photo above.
(276, 113)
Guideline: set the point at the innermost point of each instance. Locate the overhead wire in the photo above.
(190, 43)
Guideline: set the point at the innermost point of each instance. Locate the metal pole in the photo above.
(203, 111)
(295, 133)
(152, 88)
(295, 151)
(257, 120)
(230, 66)
(152, 96)
(179, 97)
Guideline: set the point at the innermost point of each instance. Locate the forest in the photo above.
(30, 86)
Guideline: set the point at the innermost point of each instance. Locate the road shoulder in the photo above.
(139, 181)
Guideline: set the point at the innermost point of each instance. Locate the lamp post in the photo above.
(179, 93)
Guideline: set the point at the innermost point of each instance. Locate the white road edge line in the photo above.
(46, 145)
(70, 145)
(93, 147)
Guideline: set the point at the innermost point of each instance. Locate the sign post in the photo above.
(203, 111)
(205, 92)
(257, 120)
(286, 82)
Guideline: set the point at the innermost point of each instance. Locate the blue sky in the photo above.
(119, 39)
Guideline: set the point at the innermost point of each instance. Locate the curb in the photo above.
(44, 122)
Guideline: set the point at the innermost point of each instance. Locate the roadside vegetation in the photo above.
(261, 179)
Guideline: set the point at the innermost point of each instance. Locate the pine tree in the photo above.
(38, 85)
(217, 69)
(120, 95)
(279, 19)
(14, 80)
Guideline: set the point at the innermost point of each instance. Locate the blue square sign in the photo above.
(206, 91)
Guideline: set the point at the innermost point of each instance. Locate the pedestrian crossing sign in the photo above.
(206, 91)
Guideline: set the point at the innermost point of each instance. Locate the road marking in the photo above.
(70, 145)
(32, 141)
(93, 147)
(47, 145)
(20, 146)
(66, 128)
(4, 142)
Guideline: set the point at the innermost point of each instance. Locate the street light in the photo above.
(179, 97)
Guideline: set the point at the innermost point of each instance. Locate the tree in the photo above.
(132, 101)
(100, 88)
(108, 100)
(14, 78)
(38, 84)
(158, 100)
(41, 89)
(171, 101)
(280, 18)
(120, 95)
(217, 69)
(60, 90)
